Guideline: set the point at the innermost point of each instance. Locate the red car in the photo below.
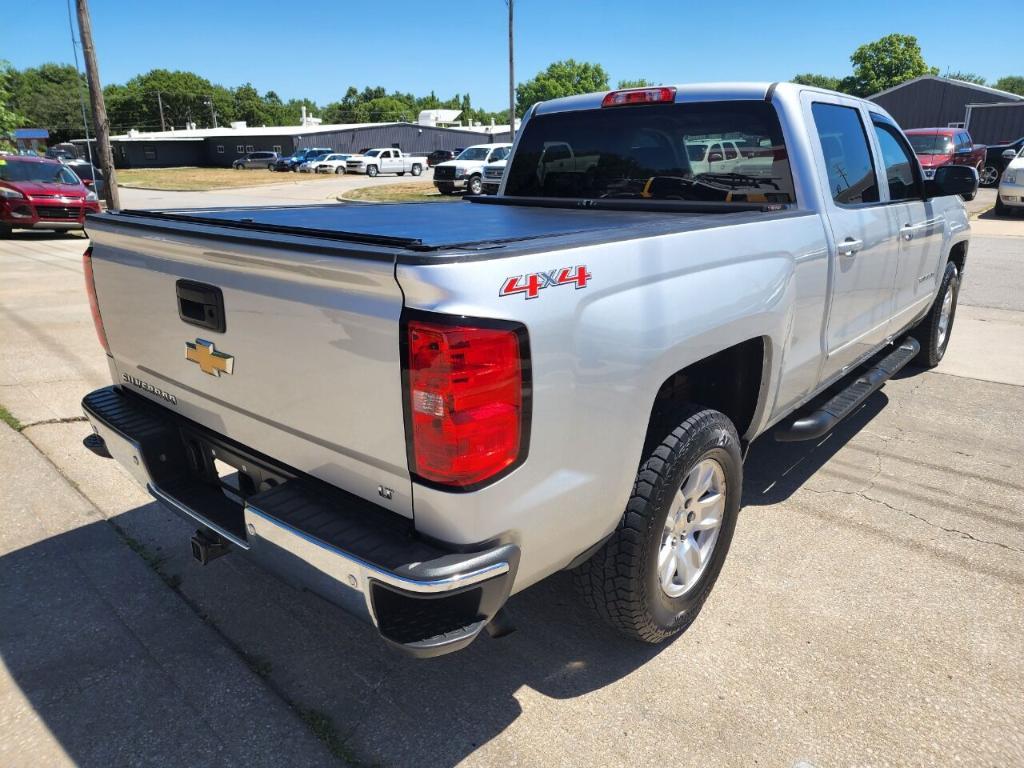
(37, 193)
(945, 146)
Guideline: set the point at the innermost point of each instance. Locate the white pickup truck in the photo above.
(385, 160)
(466, 170)
(416, 410)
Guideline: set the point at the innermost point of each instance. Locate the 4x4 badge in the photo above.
(209, 360)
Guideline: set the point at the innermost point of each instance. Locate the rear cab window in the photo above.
(846, 153)
(655, 152)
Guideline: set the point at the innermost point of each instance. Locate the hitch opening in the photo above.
(208, 546)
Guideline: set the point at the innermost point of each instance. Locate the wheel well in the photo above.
(958, 255)
(728, 381)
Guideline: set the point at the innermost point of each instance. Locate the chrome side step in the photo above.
(813, 425)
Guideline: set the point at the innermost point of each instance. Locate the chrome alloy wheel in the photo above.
(989, 176)
(691, 528)
(944, 316)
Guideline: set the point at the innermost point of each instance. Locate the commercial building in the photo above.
(992, 116)
(222, 146)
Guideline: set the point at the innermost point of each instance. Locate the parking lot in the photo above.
(869, 612)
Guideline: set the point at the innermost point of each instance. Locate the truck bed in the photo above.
(433, 228)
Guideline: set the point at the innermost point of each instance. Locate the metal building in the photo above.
(941, 102)
(222, 146)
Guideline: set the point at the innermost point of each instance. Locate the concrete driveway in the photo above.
(869, 612)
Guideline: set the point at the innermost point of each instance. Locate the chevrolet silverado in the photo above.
(417, 410)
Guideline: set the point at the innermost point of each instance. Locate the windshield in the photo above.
(656, 152)
(474, 153)
(373, 153)
(931, 144)
(42, 173)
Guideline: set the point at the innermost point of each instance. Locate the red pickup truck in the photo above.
(945, 146)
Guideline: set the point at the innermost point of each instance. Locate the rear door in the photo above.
(864, 252)
(305, 368)
(920, 227)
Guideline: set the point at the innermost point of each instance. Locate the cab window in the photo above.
(899, 164)
(844, 146)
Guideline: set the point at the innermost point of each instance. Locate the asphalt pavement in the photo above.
(869, 612)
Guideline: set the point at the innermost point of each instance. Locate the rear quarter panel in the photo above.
(652, 306)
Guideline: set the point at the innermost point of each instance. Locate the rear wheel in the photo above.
(651, 578)
(371, 171)
(988, 175)
(934, 330)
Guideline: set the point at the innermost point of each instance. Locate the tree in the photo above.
(250, 106)
(562, 78)
(1011, 84)
(885, 63)
(9, 118)
(186, 96)
(818, 81)
(49, 96)
(640, 82)
(966, 77)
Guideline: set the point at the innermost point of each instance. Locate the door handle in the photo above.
(850, 246)
(908, 232)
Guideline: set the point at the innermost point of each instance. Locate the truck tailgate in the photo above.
(312, 374)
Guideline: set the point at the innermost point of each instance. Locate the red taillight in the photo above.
(466, 400)
(639, 96)
(90, 288)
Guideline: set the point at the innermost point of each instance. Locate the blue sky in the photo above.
(317, 48)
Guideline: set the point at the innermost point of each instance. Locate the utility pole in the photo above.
(160, 103)
(81, 98)
(99, 108)
(511, 79)
(213, 111)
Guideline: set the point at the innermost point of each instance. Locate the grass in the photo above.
(202, 179)
(408, 192)
(9, 419)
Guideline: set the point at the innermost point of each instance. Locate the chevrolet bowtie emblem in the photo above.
(209, 359)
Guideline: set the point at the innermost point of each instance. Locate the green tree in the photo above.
(885, 63)
(818, 81)
(561, 78)
(1011, 84)
(9, 118)
(640, 82)
(186, 96)
(967, 77)
(49, 96)
(250, 106)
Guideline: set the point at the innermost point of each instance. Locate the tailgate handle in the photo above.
(201, 305)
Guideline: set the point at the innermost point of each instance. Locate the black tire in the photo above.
(929, 331)
(5, 231)
(988, 176)
(968, 198)
(620, 582)
(270, 166)
(445, 189)
(475, 185)
(339, 169)
(371, 171)
(417, 170)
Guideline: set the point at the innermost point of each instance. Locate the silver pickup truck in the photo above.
(416, 410)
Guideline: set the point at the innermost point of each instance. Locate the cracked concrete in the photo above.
(872, 596)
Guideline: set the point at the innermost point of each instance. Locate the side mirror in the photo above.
(1009, 154)
(952, 180)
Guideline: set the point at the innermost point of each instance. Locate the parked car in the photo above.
(293, 161)
(90, 175)
(936, 147)
(259, 159)
(466, 170)
(309, 165)
(491, 176)
(384, 160)
(995, 162)
(40, 193)
(441, 155)
(564, 376)
(1010, 197)
(333, 163)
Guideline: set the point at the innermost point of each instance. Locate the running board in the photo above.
(813, 425)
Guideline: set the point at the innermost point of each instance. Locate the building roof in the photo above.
(953, 81)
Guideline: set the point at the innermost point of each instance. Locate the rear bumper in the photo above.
(424, 598)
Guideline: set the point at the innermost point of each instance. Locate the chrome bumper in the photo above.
(384, 589)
